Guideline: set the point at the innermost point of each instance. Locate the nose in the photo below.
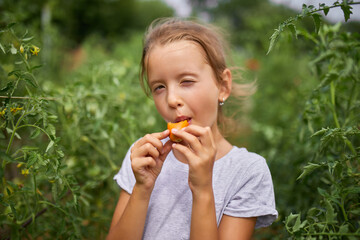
(174, 98)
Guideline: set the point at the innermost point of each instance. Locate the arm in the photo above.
(204, 226)
(199, 150)
(234, 228)
(147, 157)
(203, 217)
(129, 216)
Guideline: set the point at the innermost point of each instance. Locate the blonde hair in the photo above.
(166, 30)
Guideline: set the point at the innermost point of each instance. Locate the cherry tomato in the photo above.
(178, 125)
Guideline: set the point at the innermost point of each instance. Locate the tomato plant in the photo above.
(331, 127)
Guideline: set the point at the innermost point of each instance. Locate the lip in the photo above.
(182, 118)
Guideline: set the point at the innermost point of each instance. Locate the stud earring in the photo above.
(223, 102)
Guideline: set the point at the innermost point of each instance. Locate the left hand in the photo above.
(199, 149)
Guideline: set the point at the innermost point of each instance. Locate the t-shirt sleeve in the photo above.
(125, 177)
(255, 196)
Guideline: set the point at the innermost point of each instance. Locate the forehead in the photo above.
(179, 48)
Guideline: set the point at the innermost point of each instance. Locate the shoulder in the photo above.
(241, 157)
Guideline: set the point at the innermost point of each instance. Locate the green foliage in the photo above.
(62, 144)
(76, 20)
(33, 180)
(331, 126)
(68, 116)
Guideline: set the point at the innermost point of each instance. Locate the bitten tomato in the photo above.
(178, 125)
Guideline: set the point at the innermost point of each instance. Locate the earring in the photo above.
(223, 102)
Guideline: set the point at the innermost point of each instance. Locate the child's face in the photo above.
(183, 85)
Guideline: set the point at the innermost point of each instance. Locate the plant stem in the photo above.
(28, 98)
(332, 92)
(35, 193)
(332, 234)
(342, 209)
(13, 133)
(329, 7)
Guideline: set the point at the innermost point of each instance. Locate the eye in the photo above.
(187, 82)
(157, 88)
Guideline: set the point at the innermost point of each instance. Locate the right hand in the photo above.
(147, 157)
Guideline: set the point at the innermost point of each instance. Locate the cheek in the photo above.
(206, 106)
(161, 108)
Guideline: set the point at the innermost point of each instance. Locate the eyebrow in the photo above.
(180, 75)
(187, 73)
(154, 82)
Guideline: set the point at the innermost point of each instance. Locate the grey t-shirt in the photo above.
(242, 187)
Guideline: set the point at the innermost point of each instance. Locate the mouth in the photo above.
(183, 118)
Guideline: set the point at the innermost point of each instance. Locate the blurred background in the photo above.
(84, 96)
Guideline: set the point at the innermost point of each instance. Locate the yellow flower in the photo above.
(14, 110)
(22, 49)
(38, 191)
(34, 50)
(19, 165)
(25, 172)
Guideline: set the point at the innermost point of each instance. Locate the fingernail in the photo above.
(174, 130)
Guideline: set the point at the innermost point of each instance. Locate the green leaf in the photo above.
(35, 133)
(8, 86)
(292, 28)
(355, 211)
(27, 39)
(330, 213)
(273, 39)
(329, 77)
(49, 146)
(51, 130)
(352, 190)
(297, 225)
(344, 229)
(13, 72)
(309, 169)
(33, 158)
(323, 192)
(347, 11)
(317, 21)
(4, 156)
(320, 132)
(30, 79)
(11, 131)
(54, 191)
(35, 67)
(326, 10)
(10, 25)
(2, 48)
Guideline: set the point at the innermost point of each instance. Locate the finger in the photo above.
(189, 139)
(204, 134)
(140, 163)
(165, 150)
(161, 135)
(147, 149)
(153, 139)
(184, 150)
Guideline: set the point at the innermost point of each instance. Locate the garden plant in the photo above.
(330, 125)
(65, 125)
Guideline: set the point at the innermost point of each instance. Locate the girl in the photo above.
(203, 187)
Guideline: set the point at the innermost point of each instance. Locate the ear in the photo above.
(225, 85)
